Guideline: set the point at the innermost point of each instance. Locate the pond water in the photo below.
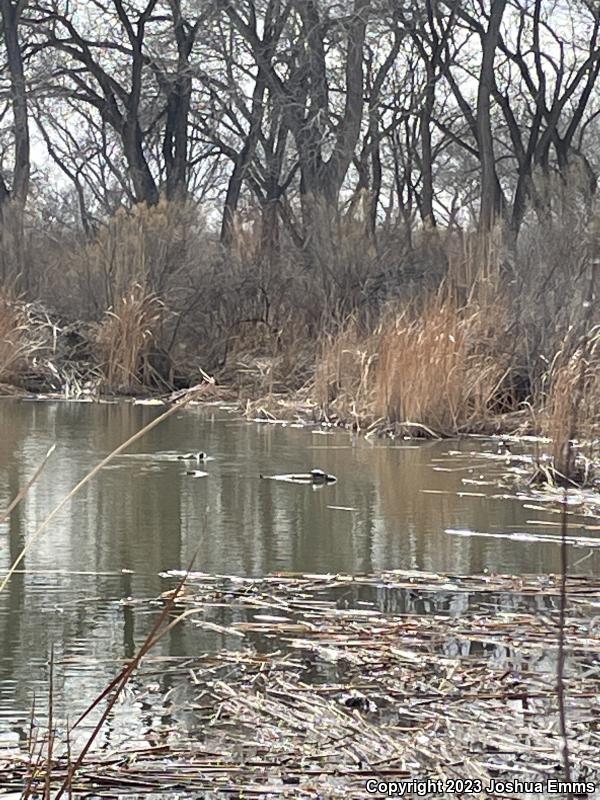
(85, 584)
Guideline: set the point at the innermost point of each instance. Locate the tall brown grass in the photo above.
(443, 367)
(440, 367)
(359, 313)
(345, 373)
(126, 338)
(570, 385)
(572, 405)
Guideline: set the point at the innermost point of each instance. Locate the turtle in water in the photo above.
(316, 477)
(197, 457)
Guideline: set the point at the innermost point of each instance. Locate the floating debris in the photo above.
(527, 536)
(148, 401)
(351, 694)
(196, 473)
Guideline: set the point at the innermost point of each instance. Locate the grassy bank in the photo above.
(438, 333)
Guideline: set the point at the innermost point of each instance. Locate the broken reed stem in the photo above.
(50, 726)
(31, 746)
(151, 640)
(189, 394)
(560, 664)
(23, 492)
(120, 683)
(70, 782)
(248, 692)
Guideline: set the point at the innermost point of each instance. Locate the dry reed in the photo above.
(441, 367)
(126, 338)
(574, 378)
(17, 339)
(344, 373)
(398, 692)
(348, 314)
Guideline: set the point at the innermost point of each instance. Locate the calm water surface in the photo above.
(143, 516)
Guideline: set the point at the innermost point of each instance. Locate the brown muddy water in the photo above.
(87, 586)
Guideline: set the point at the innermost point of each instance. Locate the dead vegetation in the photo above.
(127, 338)
(19, 341)
(575, 383)
(353, 691)
(441, 333)
(440, 367)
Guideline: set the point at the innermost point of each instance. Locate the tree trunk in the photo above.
(144, 185)
(243, 160)
(491, 196)
(349, 127)
(10, 22)
(13, 200)
(175, 142)
(427, 214)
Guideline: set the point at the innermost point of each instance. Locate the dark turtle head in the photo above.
(319, 476)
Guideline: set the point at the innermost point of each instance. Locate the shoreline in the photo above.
(284, 407)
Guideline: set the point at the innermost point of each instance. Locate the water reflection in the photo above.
(81, 582)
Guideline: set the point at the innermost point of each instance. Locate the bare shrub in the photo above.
(550, 282)
(157, 246)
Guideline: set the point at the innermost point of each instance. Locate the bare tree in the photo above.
(11, 13)
(325, 137)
